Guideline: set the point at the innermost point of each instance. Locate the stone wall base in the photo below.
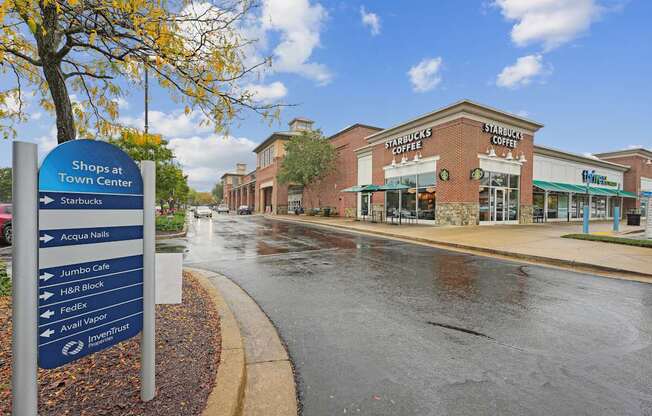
(526, 214)
(457, 213)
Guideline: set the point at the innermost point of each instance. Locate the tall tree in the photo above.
(218, 192)
(83, 47)
(309, 158)
(5, 184)
(171, 183)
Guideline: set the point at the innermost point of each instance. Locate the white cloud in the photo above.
(267, 93)
(122, 103)
(370, 19)
(47, 142)
(425, 75)
(174, 124)
(549, 22)
(522, 72)
(299, 24)
(205, 159)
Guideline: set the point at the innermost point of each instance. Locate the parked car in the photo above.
(222, 208)
(203, 212)
(244, 210)
(5, 223)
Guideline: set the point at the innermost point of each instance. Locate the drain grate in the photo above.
(457, 328)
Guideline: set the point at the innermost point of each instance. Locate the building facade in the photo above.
(464, 164)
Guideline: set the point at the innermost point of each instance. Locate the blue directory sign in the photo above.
(90, 283)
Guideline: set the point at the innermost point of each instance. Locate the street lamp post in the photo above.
(150, 58)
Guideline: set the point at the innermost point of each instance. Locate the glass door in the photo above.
(500, 213)
(364, 205)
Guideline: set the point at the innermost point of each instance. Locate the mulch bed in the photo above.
(107, 383)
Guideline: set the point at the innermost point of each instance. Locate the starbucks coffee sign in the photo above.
(409, 142)
(503, 136)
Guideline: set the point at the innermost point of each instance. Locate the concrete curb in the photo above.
(177, 235)
(227, 396)
(548, 261)
(270, 388)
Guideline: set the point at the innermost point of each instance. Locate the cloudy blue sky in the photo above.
(581, 67)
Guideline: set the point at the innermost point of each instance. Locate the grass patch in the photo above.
(5, 282)
(611, 239)
(173, 223)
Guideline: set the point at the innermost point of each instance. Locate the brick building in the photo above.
(464, 164)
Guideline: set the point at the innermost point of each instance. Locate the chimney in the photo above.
(241, 168)
(301, 124)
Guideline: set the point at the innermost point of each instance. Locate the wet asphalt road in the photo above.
(380, 327)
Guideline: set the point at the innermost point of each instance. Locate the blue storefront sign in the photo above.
(90, 282)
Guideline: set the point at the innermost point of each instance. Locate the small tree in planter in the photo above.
(309, 158)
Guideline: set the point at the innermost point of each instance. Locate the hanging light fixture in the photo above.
(522, 158)
(509, 156)
(492, 152)
(393, 161)
(403, 160)
(416, 157)
(649, 162)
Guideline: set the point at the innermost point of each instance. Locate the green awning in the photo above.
(626, 194)
(356, 188)
(393, 187)
(371, 188)
(581, 189)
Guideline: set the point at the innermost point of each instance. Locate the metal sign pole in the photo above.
(147, 340)
(24, 282)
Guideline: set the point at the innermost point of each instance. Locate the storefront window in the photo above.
(599, 207)
(552, 205)
(513, 205)
(426, 205)
(485, 214)
(538, 200)
(416, 202)
(499, 179)
(426, 179)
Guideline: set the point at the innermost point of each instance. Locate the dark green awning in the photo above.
(356, 188)
(393, 187)
(581, 189)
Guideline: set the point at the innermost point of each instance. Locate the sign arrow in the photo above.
(45, 276)
(47, 314)
(46, 200)
(47, 333)
(46, 238)
(46, 295)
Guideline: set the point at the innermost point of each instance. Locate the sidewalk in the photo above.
(538, 243)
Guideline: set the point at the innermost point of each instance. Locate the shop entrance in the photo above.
(365, 203)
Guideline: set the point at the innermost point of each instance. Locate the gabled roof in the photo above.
(274, 136)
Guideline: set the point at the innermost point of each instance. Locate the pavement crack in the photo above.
(460, 329)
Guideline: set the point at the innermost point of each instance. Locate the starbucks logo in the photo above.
(477, 174)
(444, 175)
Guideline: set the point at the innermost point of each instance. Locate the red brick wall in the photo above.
(458, 144)
(632, 178)
(328, 191)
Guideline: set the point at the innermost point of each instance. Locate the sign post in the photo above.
(24, 269)
(147, 340)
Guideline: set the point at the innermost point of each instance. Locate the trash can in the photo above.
(634, 219)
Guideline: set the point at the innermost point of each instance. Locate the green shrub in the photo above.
(172, 223)
(5, 282)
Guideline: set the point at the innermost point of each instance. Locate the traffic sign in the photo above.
(90, 278)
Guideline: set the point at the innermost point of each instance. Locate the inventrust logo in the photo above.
(72, 348)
